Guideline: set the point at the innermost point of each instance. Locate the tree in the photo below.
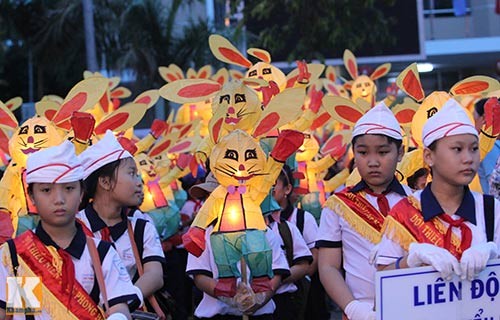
(301, 29)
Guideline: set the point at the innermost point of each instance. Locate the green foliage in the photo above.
(301, 29)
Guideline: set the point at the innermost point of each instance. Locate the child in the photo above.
(452, 216)
(314, 293)
(57, 251)
(205, 273)
(352, 219)
(289, 302)
(113, 185)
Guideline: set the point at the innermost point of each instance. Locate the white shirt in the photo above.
(310, 231)
(335, 232)
(119, 287)
(152, 250)
(300, 252)
(389, 251)
(205, 264)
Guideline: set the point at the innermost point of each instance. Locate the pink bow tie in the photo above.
(232, 189)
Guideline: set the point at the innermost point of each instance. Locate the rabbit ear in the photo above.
(339, 139)
(348, 85)
(7, 118)
(187, 144)
(475, 85)
(120, 93)
(221, 76)
(380, 71)
(187, 128)
(205, 72)
(260, 54)
(163, 144)
(236, 75)
(190, 90)
(343, 110)
(321, 119)
(284, 108)
(47, 108)
(405, 111)
(191, 74)
(149, 98)
(330, 73)
(14, 103)
(409, 81)
(315, 69)
(215, 124)
(224, 50)
(113, 82)
(4, 143)
(331, 87)
(171, 73)
(84, 95)
(122, 119)
(350, 63)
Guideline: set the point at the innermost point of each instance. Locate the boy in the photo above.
(57, 251)
(352, 219)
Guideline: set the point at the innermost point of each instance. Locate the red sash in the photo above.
(405, 224)
(360, 214)
(40, 261)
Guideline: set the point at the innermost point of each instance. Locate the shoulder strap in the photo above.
(140, 226)
(286, 235)
(13, 255)
(489, 215)
(300, 220)
(140, 269)
(96, 263)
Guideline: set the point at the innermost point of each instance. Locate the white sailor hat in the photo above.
(105, 151)
(58, 164)
(451, 120)
(378, 120)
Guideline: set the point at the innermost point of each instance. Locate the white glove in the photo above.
(357, 310)
(373, 254)
(475, 258)
(117, 316)
(442, 260)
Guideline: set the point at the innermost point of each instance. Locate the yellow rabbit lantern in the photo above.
(363, 86)
(245, 176)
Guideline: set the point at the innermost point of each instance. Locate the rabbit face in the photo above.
(241, 103)
(34, 134)
(363, 87)
(268, 72)
(237, 160)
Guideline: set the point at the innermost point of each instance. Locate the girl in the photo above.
(58, 251)
(113, 185)
(444, 224)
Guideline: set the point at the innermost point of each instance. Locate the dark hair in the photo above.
(108, 170)
(412, 180)
(286, 176)
(479, 106)
(390, 140)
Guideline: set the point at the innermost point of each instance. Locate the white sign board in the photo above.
(421, 294)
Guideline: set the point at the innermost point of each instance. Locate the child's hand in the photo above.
(475, 258)
(441, 259)
(245, 297)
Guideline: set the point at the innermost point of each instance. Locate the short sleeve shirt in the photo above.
(119, 287)
(152, 250)
(205, 264)
(335, 232)
(471, 208)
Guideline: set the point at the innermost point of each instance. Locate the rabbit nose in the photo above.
(230, 110)
(241, 168)
(30, 139)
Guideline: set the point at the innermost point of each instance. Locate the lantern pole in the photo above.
(244, 278)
